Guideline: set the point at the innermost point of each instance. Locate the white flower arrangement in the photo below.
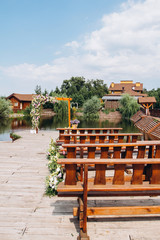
(36, 108)
(56, 170)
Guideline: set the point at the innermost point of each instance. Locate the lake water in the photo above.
(51, 123)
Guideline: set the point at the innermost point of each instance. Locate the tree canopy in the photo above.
(128, 106)
(91, 108)
(156, 94)
(78, 89)
(5, 108)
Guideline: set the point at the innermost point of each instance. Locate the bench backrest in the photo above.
(86, 130)
(119, 178)
(144, 150)
(100, 138)
(124, 150)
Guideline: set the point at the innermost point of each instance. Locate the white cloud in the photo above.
(127, 46)
(73, 44)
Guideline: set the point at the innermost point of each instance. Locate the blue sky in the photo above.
(33, 31)
(46, 41)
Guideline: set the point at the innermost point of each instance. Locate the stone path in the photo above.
(25, 213)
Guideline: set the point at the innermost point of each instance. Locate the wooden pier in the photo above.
(27, 214)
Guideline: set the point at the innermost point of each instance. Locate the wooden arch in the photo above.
(38, 101)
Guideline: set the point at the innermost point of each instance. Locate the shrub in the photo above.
(14, 136)
(91, 108)
(106, 111)
(27, 110)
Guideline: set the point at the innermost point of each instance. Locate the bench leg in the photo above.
(83, 208)
(83, 236)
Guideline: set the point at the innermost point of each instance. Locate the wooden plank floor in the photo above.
(25, 213)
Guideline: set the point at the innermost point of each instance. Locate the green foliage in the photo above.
(156, 94)
(80, 110)
(78, 98)
(78, 89)
(5, 124)
(5, 108)
(73, 112)
(27, 110)
(56, 172)
(48, 105)
(57, 90)
(60, 107)
(128, 106)
(102, 104)
(106, 111)
(38, 89)
(14, 136)
(91, 108)
(81, 90)
(45, 93)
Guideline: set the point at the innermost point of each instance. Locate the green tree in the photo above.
(5, 108)
(91, 108)
(80, 90)
(38, 89)
(60, 107)
(99, 88)
(78, 98)
(128, 106)
(156, 94)
(45, 92)
(65, 86)
(57, 90)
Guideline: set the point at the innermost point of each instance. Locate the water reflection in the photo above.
(8, 125)
(21, 123)
(53, 122)
(5, 125)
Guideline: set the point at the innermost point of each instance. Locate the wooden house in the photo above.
(117, 90)
(20, 101)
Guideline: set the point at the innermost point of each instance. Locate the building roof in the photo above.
(119, 95)
(131, 94)
(126, 87)
(22, 97)
(147, 100)
(116, 96)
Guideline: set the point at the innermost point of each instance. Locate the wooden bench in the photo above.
(86, 130)
(143, 181)
(99, 138)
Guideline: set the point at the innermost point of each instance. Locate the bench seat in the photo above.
(109, 187)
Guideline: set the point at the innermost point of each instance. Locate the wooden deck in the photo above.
(25, 213)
